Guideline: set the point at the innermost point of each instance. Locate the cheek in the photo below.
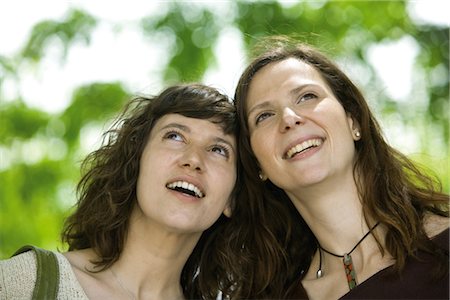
(331, 115)
(260, 145)
(254, 147)
(228, 178)
(222, 176)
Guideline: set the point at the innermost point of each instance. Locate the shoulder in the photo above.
(18, 276)
(81, 260)
(435, 224)
(437, 229)
(69, 286)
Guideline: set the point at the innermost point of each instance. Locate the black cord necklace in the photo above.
(346, 259)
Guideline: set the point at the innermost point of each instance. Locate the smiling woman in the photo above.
(297, 93)
(191, 155)
(350, 212)
(149, 207)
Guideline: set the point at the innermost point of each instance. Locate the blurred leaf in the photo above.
(258, 19)
(434, 56)
(77, 26)
(325, 24)
(29, 210)
(94, 102)
(194, 36)
(6, 66)
(20, 121)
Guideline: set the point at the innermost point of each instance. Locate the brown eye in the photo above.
(307, 97)
(262, 117)
(174, 135)
(221, 150)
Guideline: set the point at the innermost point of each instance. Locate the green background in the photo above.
(37, 194)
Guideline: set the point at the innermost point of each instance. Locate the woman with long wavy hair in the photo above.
(353, 217)
(153, 209)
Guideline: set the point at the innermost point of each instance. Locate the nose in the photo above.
(289, 119)
(192, 159)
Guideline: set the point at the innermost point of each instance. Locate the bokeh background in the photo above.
(67, 67)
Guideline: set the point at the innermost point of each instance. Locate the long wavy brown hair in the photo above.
(107, 190)
(393, 189)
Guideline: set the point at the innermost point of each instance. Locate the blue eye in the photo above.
(262, 117)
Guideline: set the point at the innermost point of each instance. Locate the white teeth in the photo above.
(187, 186)
(300, 147)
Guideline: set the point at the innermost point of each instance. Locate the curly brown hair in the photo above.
(393, 189)
(107, 190)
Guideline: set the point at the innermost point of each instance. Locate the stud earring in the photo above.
(262, 176)
(357, 134)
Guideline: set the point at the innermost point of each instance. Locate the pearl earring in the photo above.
(357, 134)
(262, 176)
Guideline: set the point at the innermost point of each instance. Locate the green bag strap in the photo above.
(47, 275)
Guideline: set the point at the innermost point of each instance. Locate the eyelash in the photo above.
(169, 134)
(304, 95)
(259, 117)
(223, 148)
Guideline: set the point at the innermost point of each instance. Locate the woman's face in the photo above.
(299, 132)
(187, 174)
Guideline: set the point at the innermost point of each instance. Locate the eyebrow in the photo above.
(297, 90)
(187, 129)
(221, 140)
(292, 92)
(259, 106)
(176, 125)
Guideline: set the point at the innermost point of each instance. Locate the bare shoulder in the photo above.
(434, 224)
(93, 282)
(81, 260)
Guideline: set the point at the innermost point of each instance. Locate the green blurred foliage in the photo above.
(20, 122)
(77, 26)
(41, 152)
(91, 103)
(194, 30)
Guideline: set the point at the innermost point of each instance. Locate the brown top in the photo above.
(415, 281)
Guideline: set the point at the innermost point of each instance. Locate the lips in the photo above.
(186, 188)
(303, 146)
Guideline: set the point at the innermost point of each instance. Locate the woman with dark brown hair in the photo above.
(153, 208)
(353, 217)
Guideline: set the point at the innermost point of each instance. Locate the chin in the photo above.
(312, 182)
(185, 227)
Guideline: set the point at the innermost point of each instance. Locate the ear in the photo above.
(227, 210)
(354, 127)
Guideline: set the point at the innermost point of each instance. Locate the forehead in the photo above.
(286, 74)
(204, 127)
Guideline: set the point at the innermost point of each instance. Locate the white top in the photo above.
(18, 277)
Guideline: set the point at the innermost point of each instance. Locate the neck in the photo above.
(333, 213)
(335, 216)
(354, 247)
(150, 265)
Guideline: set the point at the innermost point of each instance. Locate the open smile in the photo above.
(186, 188)
(302, 147)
